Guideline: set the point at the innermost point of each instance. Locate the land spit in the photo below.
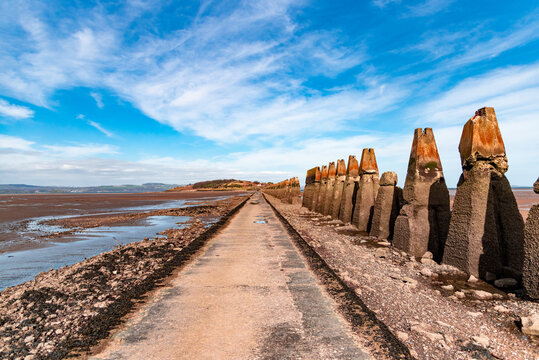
(71, 308)
(249, 295)
(436, 310)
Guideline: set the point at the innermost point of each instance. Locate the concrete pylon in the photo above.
(530, 270)
(423, 221)
(316, 189)
(308, 191)
(367, 191)
(349, 190)
(386, 207)
(322, 192)
(487, 230)
(340, 178)
(332, 171)
(295, 191)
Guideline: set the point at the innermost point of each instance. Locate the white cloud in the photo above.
(100, 128)
(14, 111)
(80, 150)
(512, 90)
(98, 99)
(428, 7)
(384, 3)
(14, 142)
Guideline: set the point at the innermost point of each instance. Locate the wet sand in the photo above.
(23, 206)
(31, 221)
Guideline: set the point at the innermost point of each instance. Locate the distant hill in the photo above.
(221, 184)
(33, 189)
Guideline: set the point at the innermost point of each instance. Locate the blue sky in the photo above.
(178, 91)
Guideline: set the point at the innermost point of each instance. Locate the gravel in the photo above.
(414, 300)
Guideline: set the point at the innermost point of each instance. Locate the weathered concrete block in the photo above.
(295, 191)
(481, 140)
(530, 271)
(487, 231)
(338, 187)
(316, 189)
(367, 191)
(332, 171)
(423, 221)
(308, 191)
(323, 188)
(386, 207)
(350, 188)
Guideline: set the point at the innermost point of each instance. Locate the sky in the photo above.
(99, 92)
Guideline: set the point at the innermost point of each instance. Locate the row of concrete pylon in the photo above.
(484, 233)
(288, 190)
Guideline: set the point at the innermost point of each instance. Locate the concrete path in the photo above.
(249, 295)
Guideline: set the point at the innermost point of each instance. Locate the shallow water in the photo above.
(20, 266)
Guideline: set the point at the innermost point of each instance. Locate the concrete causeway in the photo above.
(248, 295)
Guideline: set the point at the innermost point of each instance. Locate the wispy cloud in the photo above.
(98, 99)
(15, 111)
(80, 150)
(14, 142)
(100, 128)
(428, 7)
(384, 3)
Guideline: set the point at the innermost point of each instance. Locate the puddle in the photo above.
(20, 266)
(260, 222)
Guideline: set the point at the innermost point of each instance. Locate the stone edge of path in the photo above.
(116, 312)
(362, 320)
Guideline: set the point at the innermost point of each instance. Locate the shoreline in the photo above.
(72, 308)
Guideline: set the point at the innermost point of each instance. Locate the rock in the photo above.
(536, 186)
(448, 287)
(427, 255)
(506, 282)
(29, 339)
(384, 243)
(459, 294)
(501, 308)
(427, 261)
(481, 340)
(409, 281)
(380, 252)
(426, 272)
(401, 335)
(482, 295)
(423, 330)
(490, 276)
(472, 279)
(530, 324)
